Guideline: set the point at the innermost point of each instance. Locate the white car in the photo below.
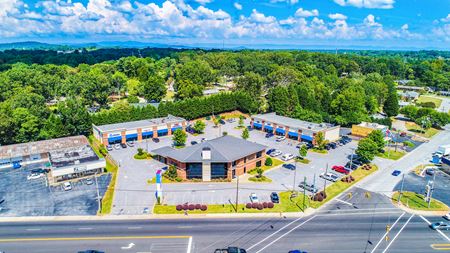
(67, 186)
(329, 176)
(34, 176)
(447, 216)
(254, 198)
(281, 138)
(287, 157)
(276, 152)
(117, 146)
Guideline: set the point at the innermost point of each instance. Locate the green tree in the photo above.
(75, 117)
(424, 122)
(259, 172)
(154, 88)
(320, 140)
(199, 126)
(132, 99)
(391, 106)
(245, 134)
(303, 151)
(378, 138)
(187, 89)
(241, 120)
(179, 137)
(251, 83)
(367, 149)
(53, 128)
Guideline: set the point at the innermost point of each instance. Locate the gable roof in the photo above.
(223, 149)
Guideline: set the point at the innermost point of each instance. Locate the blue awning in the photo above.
(293, 134)
(258, 125)
(280, 130)
(115, 138)
(175, 128)
(270, 128)
(162, 131)
(307, 137)
(147, 133)
(129, 136)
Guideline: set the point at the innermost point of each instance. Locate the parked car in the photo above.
(327, 146)
(67, 186)
(268, 152)
(231, 120)
(254, 198)
(447, 216)
(130, 143)
(333, 145)
(329, 176)
(297, 251)
(194, 142)
(345, 137)
(276, 152)
(340, 169)
(430, 171)
(109, 147)
(289, 166)
(155, 140)
(287, 157)
(89, 181)
(440, 226)
(221, 121)
(403, 134)
(204, 139)
(123, 145)
(396, 173)
(281, 138)
(117, 146)
(274, 197)
(309, 145)
(357, 162)
(34, 176)
(308, 187)
(40, 171)
(352, 167)
(268, 135)
(230, 250)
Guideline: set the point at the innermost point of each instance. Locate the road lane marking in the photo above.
(274, 233)
(356, 213)
(288, 232)
(84, 228)
(440, 246)
(398, 233)
(439, 231)
(189, 245)
(345, 202)
(385, 234)
(134, 227)
(93, 238)
(33, 229)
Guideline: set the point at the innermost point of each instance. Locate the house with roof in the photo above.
(222, 158)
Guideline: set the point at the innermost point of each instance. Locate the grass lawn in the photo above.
(416, 201)
(233, 114)
(109, 194)
(262, 179)
(275, 162)
(413, 127)
(144, 156)
(392, 154)
(425, 99)
(165, 180)
(303, 160)
(320, 151)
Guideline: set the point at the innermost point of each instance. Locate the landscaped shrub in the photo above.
(270, 205)
(320, 196)
(191, 207)
(198, 206)
(265, 204)
(408, 144)
(204, 207)
(254, 205)
(248, 205)
(268, 161)
(179, 207)
(185, 207)
(260, 206)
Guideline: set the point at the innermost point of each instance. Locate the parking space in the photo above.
(22, 197)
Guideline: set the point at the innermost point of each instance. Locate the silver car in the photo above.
(308, 187)
(276, 152)
(329, 176)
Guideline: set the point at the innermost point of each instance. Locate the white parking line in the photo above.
(189, 245)
(345, 202)
(85, 228)
(382, 238)
(439, 231)
(33, 229)
(398, 233)
(283, 235)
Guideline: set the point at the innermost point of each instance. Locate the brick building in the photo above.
(220, 158)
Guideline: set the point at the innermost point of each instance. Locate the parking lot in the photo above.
(134, 194)
(22, 197)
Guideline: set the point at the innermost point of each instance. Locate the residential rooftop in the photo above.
(140, 123)
(292, 123)
(72, 155)
(39, 147)
(223, 149)
(372, 125)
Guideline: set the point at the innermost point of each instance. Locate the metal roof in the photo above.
(223, 149)
(39, 147)
(292, 123)
(140, 123)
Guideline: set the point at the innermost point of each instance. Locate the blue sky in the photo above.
(268, 23)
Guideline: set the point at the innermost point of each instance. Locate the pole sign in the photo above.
(158, 193)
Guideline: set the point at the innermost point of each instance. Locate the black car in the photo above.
(327, 146)
(353, 167)
(274, 197)
(357, 162)
(230, 250)
(333, 145)
(222, 122)
(268, 152)
(155, 140)
(91, 251)
(123, 145)
(194, 142)
(268, 135)
(309, 145)
(289, 166)
(345, 137)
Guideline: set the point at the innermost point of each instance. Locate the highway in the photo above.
(350, 224)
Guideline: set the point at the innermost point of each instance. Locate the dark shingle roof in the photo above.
(223, 149)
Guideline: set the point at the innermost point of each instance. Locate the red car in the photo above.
(340, 169)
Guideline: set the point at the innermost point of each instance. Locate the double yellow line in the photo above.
(445, 246)
(93, 238)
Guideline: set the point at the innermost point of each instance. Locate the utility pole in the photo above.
(351, 159)
(237, 192)
(304, 193)
(324, 180)
(431, 189)
(401, 189)
(295, 174)
(98, 193)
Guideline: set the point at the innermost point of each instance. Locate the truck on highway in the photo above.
(230, 250)
(443, 150)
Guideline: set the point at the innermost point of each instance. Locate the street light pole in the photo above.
(295, 175)
(237, 192)
(401, 189)
(98, 193)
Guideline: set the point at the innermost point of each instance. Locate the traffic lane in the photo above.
(105, 244)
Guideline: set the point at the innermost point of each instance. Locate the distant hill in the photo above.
(27, 45)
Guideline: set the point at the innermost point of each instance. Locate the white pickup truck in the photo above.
(443, 150)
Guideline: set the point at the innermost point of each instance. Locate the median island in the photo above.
(416, 201)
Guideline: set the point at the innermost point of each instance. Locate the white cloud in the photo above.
(371, 4)
(305, 13)
(203, 2)
(370, 21)
(259, 17)
(292, 2)
(446, 19)
(405, 27)
(337, 16)
(237, 6)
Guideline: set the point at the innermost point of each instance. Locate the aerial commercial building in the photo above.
(365, 128)
(293, 128)
(65, 158)
(137, 130)
(222, 158)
